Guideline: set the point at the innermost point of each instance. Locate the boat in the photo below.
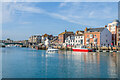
(51, 50)
(82, 49)
(9, 46)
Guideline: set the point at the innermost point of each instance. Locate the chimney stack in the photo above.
(85, 29)
(105, 26)
(65, 30)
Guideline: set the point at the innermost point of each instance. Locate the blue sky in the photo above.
(23, 19)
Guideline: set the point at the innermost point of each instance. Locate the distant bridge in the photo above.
(13, 43)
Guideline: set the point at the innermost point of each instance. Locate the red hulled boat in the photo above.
(82, 49)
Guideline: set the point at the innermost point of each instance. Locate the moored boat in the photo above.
(82, 49)
(51, 50)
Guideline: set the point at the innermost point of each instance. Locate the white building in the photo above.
(79, 39)
(76, 40)
(46, 42)
(114, 28)
(69, 41)
(35, 39)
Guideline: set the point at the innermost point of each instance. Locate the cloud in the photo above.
(78, 13)
(60, 0)
(25, 23)
(63, 4)
(10, 10)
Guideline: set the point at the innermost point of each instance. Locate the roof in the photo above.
(66, 33)
(70, 37)
(79, 31)
(79, 34)
(95, 29)
(45, 35)
(116, 20)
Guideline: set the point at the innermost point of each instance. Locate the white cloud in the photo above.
(60, 0)
(75, 13)
(9, 12)
(62, 4)
(25, 22)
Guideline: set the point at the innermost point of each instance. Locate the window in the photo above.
(113, 24)
(91, 35)
(106, 41)
(81, 41)
(69, 41)
(87, 35)
(95, 36)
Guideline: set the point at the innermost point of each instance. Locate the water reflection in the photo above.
(64, 64)
(99, 64)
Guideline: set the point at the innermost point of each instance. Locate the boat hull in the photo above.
(82, 50)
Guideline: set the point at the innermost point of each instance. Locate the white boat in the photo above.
(51, 50)
(8, 46)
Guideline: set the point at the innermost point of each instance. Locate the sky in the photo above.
(20, 20)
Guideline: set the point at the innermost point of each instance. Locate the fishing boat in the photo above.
(82, 49)
(51, 50)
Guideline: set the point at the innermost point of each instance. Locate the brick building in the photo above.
(97, 36)
(62, 36)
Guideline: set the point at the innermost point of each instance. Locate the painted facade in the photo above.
(114, 29)
(79, 38)
(76, 40)
(97, 37)
(70, 40)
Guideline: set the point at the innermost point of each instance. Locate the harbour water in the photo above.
(28, 63)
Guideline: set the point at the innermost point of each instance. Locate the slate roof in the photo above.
(71, 37)
(79, 35)
(66, 33)
(95, 29)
